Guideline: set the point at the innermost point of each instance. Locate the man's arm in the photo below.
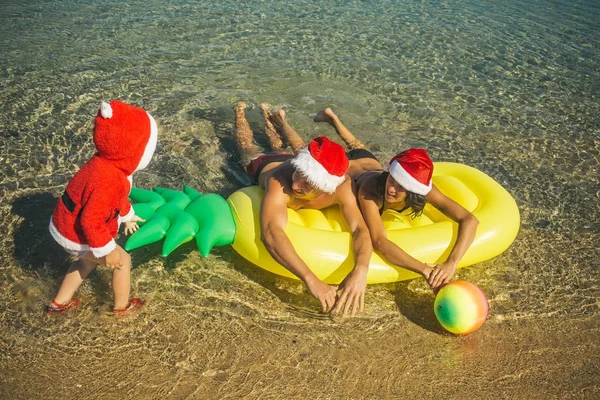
(467, 227)
(273, 220)
(354, 285)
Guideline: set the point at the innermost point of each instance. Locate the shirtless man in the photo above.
(314, 177)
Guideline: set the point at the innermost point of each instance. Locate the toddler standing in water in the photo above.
(86, 219)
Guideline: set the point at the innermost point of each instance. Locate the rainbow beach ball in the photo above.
(461, 307)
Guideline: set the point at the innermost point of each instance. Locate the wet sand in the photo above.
(193, 351)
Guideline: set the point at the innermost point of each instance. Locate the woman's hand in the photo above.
(441, 275)
(427, 272)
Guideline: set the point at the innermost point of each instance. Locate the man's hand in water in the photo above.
(353, 289)
(323, 292)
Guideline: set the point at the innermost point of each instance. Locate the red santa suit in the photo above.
(95, 202)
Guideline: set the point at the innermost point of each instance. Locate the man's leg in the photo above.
(274, 138)
(327, 115)
(244, 138)
(289, 134)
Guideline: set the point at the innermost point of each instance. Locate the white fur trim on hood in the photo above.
(127, 218)
(150, 146)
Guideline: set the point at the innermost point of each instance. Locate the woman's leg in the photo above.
(289, 134)
(327, 115)
(244, 138)
(274, 138)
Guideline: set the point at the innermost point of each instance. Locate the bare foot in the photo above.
(278, 118)
(271, 131)
(240, 106)
(326, 115)
(265, 108)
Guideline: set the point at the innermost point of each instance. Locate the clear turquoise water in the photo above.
(511, 88)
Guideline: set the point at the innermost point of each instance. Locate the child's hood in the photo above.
(125, 136)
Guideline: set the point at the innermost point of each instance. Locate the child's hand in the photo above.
(113, 259)
(132, 225)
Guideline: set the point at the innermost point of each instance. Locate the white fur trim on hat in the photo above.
(150, 146)
(315, 173)
(407, 181)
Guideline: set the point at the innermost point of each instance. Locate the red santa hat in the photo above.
(125, 133)
(324, 164)
(412, 169)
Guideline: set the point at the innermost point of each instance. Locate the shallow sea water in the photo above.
(511, 88)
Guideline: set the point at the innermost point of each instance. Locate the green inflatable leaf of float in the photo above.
(183, 229)
(152, 231)
(180, 223)
(172, 196)
(158, 223)
(184, 226)
(146, 201)
(152, 199)
(144, 211)
(178, 217)
(217, 227)
(192, 193)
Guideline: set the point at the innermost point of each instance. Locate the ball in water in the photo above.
(461, 307)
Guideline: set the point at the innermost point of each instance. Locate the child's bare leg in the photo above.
(274, 138)
(244, 139)
(76, 274)
(327, 115)
(289, 134)
(121, 281)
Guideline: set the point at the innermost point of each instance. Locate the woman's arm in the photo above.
(369, 205)
(467, 227)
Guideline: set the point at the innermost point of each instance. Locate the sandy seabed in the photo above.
(181, 352)
(218, 329)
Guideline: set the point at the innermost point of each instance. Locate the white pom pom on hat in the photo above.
(106, 110)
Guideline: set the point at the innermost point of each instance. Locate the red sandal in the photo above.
(132, 308)
(56, 308)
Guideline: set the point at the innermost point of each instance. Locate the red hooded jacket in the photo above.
(95, 202)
